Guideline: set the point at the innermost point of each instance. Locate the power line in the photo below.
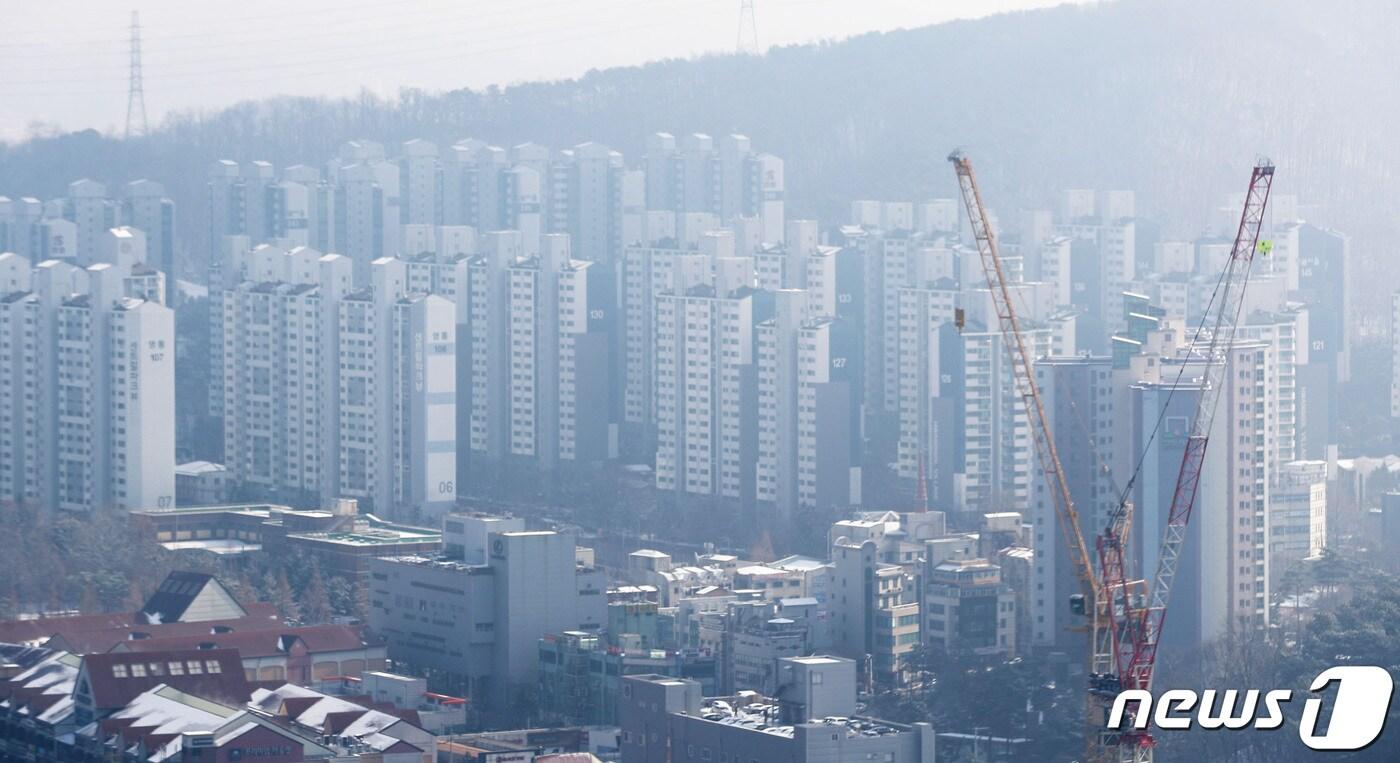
(135, 90)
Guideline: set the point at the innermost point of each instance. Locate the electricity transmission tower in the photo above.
(748, 29)
(135, 92)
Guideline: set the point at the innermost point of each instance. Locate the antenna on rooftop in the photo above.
(747, 23)
(135, 91)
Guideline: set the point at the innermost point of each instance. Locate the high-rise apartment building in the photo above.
(998, 456)
(303, 210)
(1224, 578)
(20, 227)
(1324, 285)
(589, 195)
(537, 355)
(930, 382)
(282, 372)
(1077, 393)
(473, 180)
(88, 207)
(1395, 355)
(706, 395)
(731, 181)
(808, 413)
(420, 181)
(367, 213)
(1111, 246)
(1286, 333)
(87, 387)
(146, 208)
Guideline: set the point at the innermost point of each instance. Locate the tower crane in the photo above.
(1126, 624)
(1067, 515)
(1140, 624)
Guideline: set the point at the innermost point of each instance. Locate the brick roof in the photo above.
(266, 642)
(115, 678)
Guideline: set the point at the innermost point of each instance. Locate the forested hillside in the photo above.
(1170, 97)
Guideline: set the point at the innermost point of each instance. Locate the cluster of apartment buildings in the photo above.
(87, 379)
(399, 329)
(402, 330)
(670, 315)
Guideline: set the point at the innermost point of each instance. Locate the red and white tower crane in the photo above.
(1140, 624)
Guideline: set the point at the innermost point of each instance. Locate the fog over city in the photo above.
(66, 61)
(756, 380)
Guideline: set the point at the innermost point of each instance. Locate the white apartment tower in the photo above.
(998, 456)
(808, 420)
(20, 226)
(538, 362)
(1114, 241)
(146, 208)
(928, 375)
(367, 213)
(420, 181)
(473, 182)
(1224, 581)
(1249, 453)
(648, 272)
(88, 207)
(705, 395)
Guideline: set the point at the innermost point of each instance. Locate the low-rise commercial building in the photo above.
(475, 626)
(340, 539)
(581, 676)
(438, 713)
(875, 611)
(968, 610)
(813, 718)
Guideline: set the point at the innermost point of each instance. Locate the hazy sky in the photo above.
(66, 61)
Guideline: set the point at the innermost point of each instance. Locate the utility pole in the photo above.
(747, 23)
(135, 91)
